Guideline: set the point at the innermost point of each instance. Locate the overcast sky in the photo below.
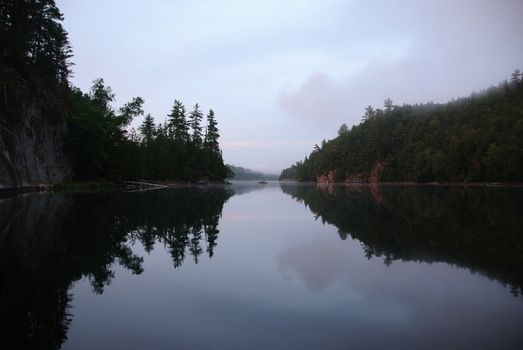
(283, 75)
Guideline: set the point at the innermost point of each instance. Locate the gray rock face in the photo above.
(32, 151)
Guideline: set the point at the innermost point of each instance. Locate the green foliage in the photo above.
(473, 139)
(98, 145)
(131, 110)
(343, 129)
(212, 135)
(33, 41)
(102, 148)
(212, 152)
(148, 129)
(195, 120)
(177, 123)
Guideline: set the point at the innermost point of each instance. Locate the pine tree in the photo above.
(32, 39)
(195, 120)
(148, 129)
(212, 135)
(369, 113)
(343, 129)
(177, 123)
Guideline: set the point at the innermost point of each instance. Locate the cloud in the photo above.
(450, 50)
(319, 98)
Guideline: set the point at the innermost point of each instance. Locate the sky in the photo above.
(282, 76)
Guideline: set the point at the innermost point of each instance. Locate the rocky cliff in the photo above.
(32, 136)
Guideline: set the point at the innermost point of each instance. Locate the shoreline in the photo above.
(412, 183)
(102, 186)
(142, 185)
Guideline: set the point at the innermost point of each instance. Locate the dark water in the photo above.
(264, 267)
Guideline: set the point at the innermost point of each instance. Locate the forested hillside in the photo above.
(240, 173)
(51, 131)
(473, 139)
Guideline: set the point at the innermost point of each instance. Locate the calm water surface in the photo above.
(264, 267)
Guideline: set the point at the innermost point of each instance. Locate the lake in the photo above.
(277, 266)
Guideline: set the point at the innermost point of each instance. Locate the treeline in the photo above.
(473, 139)
(97, 139)
(103, 147)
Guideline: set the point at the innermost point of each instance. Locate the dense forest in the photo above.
(474, 139)
(51, 131)
(101, 146)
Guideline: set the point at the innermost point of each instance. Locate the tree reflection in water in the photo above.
(479, 228)
(48, 241)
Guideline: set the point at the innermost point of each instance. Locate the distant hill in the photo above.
(241, 173)
(473, 139)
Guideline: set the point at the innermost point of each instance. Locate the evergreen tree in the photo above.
(211, 134)
(195, 120)
(177, 123)
(213, 154)
(148, 129)
(369, 113)
(32, 39)
(343, 129)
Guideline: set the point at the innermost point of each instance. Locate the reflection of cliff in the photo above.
(34, 283)
(49, 241)
(477, 228)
